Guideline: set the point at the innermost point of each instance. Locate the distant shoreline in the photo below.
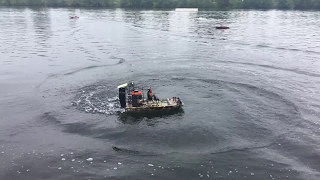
(170, 4)
(146, 9)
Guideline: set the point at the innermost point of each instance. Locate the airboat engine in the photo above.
(136, 97)
(122, 97)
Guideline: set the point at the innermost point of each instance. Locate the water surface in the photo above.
(251, 94)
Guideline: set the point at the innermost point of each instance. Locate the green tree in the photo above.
(205, 4)
(303, 4)
(285, 4)
(147, 4)
(258, 4)
(236, 4)
(223, 4)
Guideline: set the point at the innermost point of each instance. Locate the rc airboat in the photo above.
(132, 100)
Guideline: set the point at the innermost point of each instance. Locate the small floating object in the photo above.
(90, 159)
(187, 10)
(115, 148)
(222, 27)
(74, 17)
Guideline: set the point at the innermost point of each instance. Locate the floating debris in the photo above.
(59, 168)
(252, 174)
(63, 159)
(73, 160)
(150, 165)
(90, 159)
(119, 163)
(222, 27)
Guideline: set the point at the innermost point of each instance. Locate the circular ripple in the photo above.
(98, 98)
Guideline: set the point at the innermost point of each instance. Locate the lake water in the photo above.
(251, 94)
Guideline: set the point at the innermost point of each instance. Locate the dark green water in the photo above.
(251, 94)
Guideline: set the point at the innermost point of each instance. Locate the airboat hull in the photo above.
(155, 106)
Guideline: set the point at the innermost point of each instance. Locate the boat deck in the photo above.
(163, 104)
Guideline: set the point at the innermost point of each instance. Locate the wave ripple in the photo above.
(97, 99)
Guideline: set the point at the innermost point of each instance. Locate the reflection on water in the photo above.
(149, 117)
(42, 25)
(162, 18)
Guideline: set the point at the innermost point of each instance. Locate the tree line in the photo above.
(203, 4)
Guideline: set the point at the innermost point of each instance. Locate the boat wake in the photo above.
(97, 99)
